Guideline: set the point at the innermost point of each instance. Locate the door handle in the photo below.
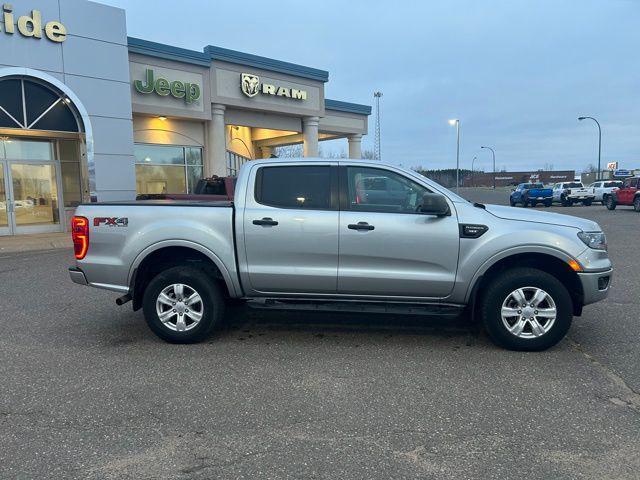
(266, 221)
(360, 226)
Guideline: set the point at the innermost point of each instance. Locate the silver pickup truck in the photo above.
(343, 235)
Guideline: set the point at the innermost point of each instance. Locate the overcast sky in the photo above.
(517, 73)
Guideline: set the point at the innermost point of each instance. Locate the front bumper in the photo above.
(595, 285)
(77, 276)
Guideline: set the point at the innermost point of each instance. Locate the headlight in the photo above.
(595, 240)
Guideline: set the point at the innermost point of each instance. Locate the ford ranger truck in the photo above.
(531, 194)
(346, 235)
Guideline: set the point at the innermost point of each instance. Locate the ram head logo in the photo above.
(250, 84)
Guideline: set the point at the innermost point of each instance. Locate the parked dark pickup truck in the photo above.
(531, 194)
(209, 189)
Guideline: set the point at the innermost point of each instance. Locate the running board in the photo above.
(354, 306)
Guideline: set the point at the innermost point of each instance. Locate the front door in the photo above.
(388, 248)
(626, 194)
(290, 227)
(29, 187)
(34, 196)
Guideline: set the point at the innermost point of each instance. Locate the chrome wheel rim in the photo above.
(179, 307)
(528, 312)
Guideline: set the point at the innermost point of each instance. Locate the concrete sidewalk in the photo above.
(39, 241)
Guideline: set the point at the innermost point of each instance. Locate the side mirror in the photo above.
(435, 204)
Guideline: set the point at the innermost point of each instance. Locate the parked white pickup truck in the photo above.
(343, 235)
(568, 193)
(602, 189)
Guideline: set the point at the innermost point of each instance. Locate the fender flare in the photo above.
(226, 275)
(490, 262)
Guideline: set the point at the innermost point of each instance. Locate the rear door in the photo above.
(291, 229)
(388, 248)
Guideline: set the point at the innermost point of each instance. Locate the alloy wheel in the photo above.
(528, 312)
(179, 307)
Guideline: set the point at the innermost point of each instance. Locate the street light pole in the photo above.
(472, 161)
(494, 165)
(456, 122)
(599, 143)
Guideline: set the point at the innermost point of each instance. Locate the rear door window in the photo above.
(298, 187)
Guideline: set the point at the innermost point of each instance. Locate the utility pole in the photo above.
(377, 152)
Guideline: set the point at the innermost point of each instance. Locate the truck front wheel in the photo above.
(526, 309)
(636, 203)
(183, 304)
(610, 202)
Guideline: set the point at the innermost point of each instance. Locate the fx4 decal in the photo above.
(110, 221)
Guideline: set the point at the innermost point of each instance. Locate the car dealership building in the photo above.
(87, 111)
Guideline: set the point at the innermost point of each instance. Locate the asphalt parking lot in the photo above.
(88, 392)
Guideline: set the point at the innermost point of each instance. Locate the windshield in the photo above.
(612, 184)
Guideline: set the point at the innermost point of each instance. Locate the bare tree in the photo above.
(330, 154)
(368, 155)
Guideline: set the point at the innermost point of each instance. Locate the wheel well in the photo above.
(168, 257)
(548, 263)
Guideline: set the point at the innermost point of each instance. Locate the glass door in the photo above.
(5, 207)
(34, 194)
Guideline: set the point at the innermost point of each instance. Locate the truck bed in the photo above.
(122, 233)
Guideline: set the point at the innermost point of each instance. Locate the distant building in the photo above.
(505, 179)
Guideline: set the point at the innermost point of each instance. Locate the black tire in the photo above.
(636, 203)
(611, 202)
(534, 203)
(511, 202)
(564, 201)
(587, 203)
(199, 281)
(501, 287)
(548, 203)
(525, 202)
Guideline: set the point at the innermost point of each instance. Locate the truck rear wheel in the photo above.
(183, 305)
(611, 202)
(526, 309)
(636, 203)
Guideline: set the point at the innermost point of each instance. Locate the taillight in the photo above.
(80, 236)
